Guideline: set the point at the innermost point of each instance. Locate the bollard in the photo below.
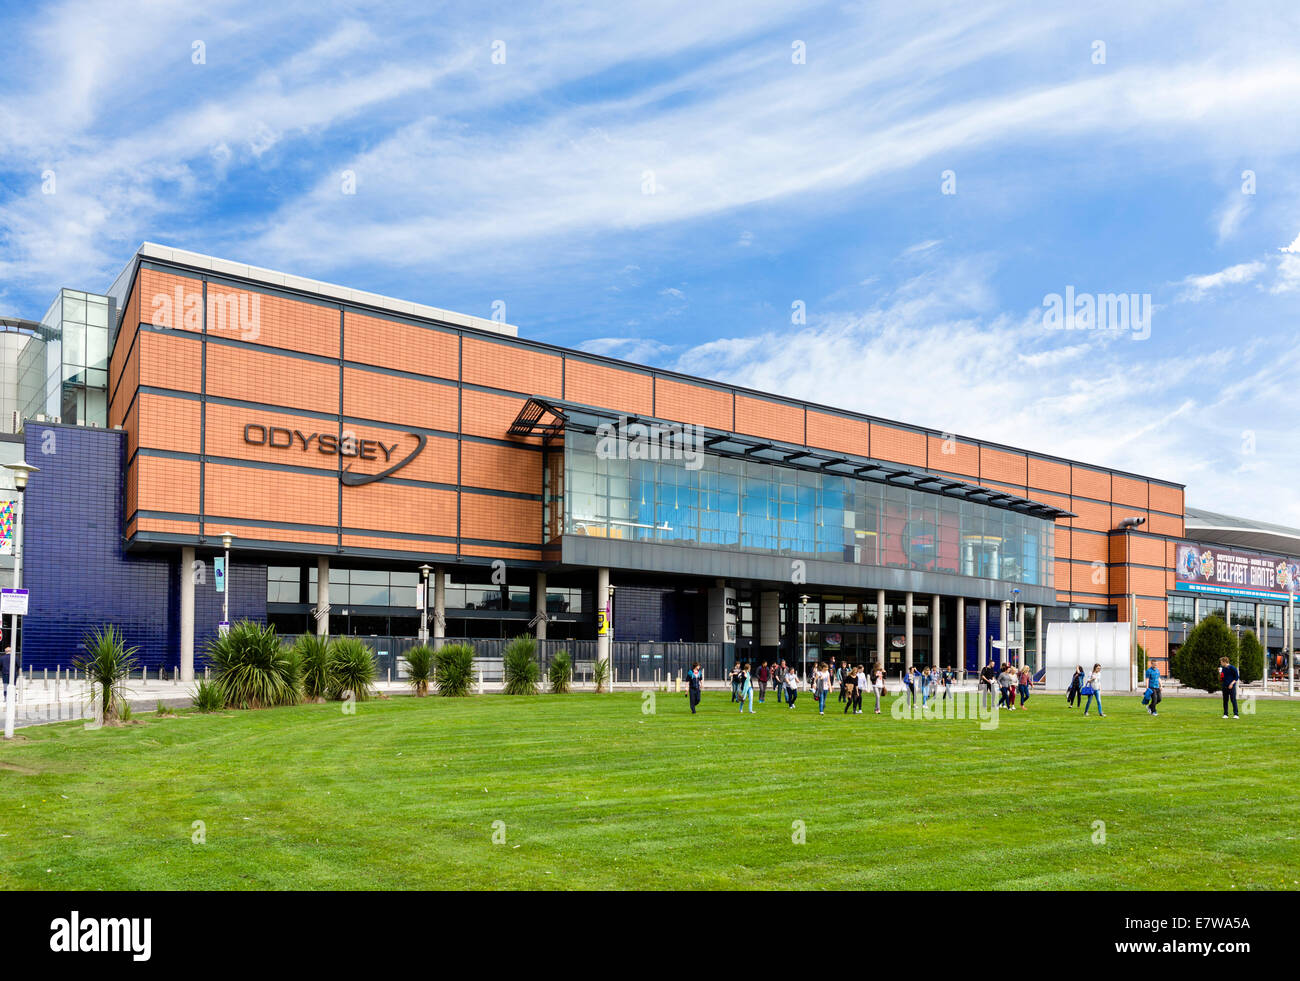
(144, 674)
(45, 677)
(390, 676)
(176, 677)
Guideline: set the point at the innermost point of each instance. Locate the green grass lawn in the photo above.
(595, 793)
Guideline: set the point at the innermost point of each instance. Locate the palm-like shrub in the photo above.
(455, 670)
(107, 663)
(1251, 655)
(207, 697)
(600, 674)
(1196, 663)
(419, 668)
(521, 667)
(313, 666)
(251, 668)
(351, 669)
(560, 673)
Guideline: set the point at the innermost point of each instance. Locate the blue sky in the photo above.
(775, 183)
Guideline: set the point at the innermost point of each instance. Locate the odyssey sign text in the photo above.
(331, 444)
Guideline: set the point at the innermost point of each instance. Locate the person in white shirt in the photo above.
(791, 687)
(878, 684)
(1092, 689)
(860, 680)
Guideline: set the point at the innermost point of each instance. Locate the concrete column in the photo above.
(907, 628)
(540, 606)
(1196, 610)
(960, 666)
(604, 628)
(984, 634)
(1040, 643)
(1005, 614)
(934, 631)
(439, 607)
(1020, 632)
(880, 627)
(769, 625)
(187, 613)
(322, 595)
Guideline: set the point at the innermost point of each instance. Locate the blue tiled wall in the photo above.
(77, 573)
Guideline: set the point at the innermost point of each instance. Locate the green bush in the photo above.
(107, 663)
(1141, 661)
(207, 697)
(455, 670)
(560, 673)
(313, 666)
(251, 668)
(352, 669)
(521, 668)
(1251, 658)
(419, 668)
(600, 675)
(1196, 663)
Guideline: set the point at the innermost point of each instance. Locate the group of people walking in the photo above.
(1010, 680)
(853, 680)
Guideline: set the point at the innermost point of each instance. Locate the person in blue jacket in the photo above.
(1151, 697)
(1230, 678)
(746, 689)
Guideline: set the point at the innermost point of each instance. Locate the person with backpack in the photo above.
(1151, 697)
(1229, 677)
(1092, 689)
(762, 682)
(1073, 693)
(693, 679)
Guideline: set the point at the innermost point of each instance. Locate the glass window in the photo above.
(282, 584)
(368, 588)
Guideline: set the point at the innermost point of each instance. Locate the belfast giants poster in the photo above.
(1210, 569)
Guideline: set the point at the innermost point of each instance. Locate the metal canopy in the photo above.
(548, 418)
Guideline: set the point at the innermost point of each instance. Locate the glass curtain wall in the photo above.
(754, 506)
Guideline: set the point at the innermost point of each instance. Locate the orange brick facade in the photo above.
(195, 362)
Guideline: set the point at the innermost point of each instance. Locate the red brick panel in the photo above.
(496, 552)
(696, 404)
(839, 434)
(608, 387)
(1128, 491)
(413, 546)
(1089, 548)
(400, 507)
(1090, 514)
(1167, 499)
(1086, 482)
(898, 445)
(512, 367)
(501, 468)
(254, 376)
(1049, 475)
(486, 414)
(171, 361)
(1118, 514)
(769, 420)
(225, 437)
(436, 463)
(953, 455)
(169, 300)
(169, 423)
(167, 485)
(1009, 468)
(1164, 524)
(234, 492)
(405, 347)
(402, 401)
(276, 321)
(1081, 579)
(500, 519)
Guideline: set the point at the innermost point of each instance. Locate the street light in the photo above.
(21, 471)
(226, 538)
(424, 603)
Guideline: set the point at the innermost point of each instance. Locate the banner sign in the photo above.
(1225, 572)
(8, 514)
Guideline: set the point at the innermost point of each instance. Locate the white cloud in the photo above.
(1293, 247)
(1197, 287)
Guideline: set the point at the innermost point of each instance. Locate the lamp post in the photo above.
(1015, 621)
(225, 586)
(424, 603)
(21, 471)
(803, 618)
